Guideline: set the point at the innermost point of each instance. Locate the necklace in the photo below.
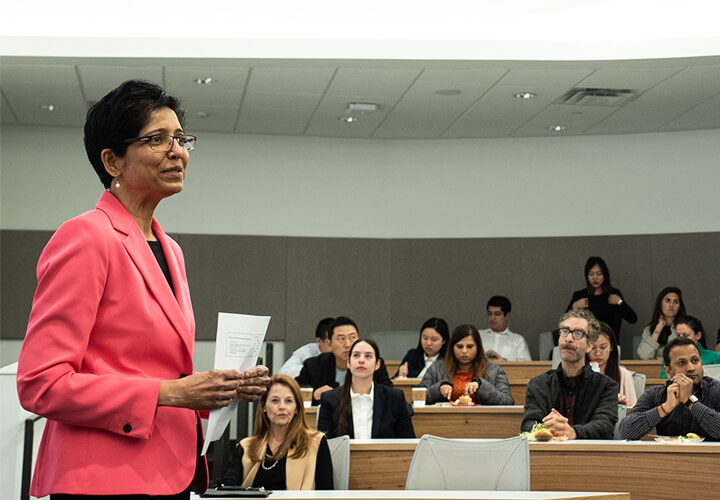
(262, 464)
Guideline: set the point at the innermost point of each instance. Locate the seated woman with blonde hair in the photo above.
(283, 453)
(466, 372)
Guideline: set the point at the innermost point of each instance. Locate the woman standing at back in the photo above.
(605, 302)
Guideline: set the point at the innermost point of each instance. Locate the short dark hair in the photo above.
(321, 331)
(676, 342)
(340, 321)
(120, 115)
(499, 301)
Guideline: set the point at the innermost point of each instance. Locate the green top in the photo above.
(707, 356)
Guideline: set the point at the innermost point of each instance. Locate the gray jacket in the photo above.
(494, 388)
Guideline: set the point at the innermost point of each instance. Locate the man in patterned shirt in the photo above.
(688, 402)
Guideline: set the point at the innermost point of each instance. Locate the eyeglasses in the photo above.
(577, 334)
(162, 142)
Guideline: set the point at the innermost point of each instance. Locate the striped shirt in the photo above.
(703, 419)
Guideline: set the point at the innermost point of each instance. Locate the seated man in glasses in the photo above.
(573, 401)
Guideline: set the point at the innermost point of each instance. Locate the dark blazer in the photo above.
(415, 366)
(392, 415)
(320, 370)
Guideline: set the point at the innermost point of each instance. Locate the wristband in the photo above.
(664, 411)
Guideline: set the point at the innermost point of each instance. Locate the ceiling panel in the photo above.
(701, 79)
(210, 118)
(294, 80)
(98, 80)
(379, 82)
(544, 77)
(638, 119)
(634, 78)
(66, 112)
(228, 84)
(328, 124)
(309, 97)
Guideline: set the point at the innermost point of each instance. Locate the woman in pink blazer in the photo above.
(107, 357)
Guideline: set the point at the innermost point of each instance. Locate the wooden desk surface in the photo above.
(445, 495)
(519, 374)
(648, 470)
(487, 422)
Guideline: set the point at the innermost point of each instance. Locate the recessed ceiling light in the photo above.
(448, 92)
(206, 80)
(525, 95)
(202, 114)
(48, 107)
(556, 128)
(348, 119)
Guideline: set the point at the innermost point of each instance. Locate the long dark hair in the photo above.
(598, 261)
(612, 368)
(657, 312)
(440, 326)
(695, 325)
(343, 412)
(479, 364)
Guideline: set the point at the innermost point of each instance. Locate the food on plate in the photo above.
(690, 437)
(543, 435)
(540, 433)
(465, 400)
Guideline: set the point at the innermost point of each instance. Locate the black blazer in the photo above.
(320, 370)
(392, 415)
(415, 366)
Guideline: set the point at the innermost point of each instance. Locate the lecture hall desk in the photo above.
(459, 422)
(520, 372)
(646, 469)
(442, 495)
(529, 369)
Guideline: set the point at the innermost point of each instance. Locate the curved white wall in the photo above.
(375, 29)
(262, 185)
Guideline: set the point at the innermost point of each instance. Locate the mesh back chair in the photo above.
(545, 345)
(555, 357)
(340, 454)
(639, 382)
(622, 413)
(712, 371)
(470, 464)
(636, 342)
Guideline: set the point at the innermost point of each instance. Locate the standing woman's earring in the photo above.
(117, 182)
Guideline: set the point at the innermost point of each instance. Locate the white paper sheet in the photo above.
(237, 345)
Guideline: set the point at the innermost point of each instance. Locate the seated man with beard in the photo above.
(573, 401)
(687, 403)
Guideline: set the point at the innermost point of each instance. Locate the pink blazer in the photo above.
(104, 330)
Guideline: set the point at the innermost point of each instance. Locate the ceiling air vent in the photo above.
(597, 97)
